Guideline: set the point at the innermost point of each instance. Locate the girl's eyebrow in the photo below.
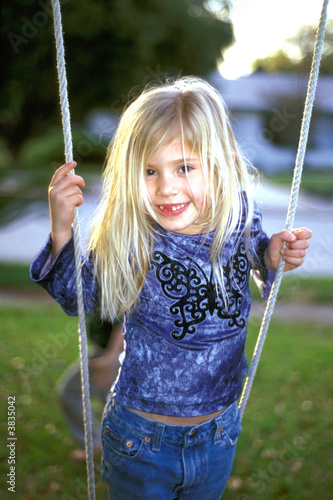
(180, 161)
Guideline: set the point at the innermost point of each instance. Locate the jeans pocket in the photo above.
(121, 441)
(232, 430)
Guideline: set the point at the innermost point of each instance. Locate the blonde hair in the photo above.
(122, 237)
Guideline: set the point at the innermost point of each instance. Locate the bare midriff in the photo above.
(167, 419)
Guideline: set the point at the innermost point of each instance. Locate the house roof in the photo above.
(261, 91)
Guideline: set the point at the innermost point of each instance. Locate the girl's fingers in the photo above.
(299, 245)
(72, 191)
(75, 200)
(292, 262)
(298, 254)
(69, 180)
(65, 183)
(302, 233)
(62, 196)
(291, 244)
(62, 172)
(293, 258)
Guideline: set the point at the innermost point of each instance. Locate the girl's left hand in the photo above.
(295, 251)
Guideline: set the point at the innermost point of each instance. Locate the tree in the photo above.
(111, 46)
(296, 53)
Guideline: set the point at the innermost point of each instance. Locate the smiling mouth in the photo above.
(172, 209)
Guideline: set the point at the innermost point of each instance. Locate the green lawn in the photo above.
(284, 452)
(319, 182)
(37, 343)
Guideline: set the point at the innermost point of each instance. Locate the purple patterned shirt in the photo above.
(184, 351)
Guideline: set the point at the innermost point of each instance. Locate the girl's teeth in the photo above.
(174, 208)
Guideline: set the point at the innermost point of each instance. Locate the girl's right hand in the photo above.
(64, 195)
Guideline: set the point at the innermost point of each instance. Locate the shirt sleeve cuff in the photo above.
(41, 265)
(264, 283)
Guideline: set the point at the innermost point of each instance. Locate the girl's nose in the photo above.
(167, 185)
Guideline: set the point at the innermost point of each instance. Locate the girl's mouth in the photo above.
(173, 209)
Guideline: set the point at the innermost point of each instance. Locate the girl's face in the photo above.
(175, 185)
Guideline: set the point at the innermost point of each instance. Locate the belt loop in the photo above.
(219, 430)
(159, 430)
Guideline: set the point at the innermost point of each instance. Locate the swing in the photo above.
(313, 79)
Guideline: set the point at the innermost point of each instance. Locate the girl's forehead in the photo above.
(174, 150)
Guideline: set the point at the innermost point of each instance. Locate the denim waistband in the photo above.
(157, 431)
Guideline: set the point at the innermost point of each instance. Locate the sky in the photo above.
(261, 26)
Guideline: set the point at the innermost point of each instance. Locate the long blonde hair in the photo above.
(122, 237)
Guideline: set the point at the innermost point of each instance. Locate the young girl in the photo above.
(172, 248)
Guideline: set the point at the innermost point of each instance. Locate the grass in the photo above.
(305, 290)
(315, 182)
(284, 451)
(37, 343)
(15, 276)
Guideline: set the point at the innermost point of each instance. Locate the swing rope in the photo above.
(77, 238)
(66, 124)
(311, 91)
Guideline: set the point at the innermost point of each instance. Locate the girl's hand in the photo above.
(64, 195)
(293, 254)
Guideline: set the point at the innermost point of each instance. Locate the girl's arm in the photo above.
(59, 277)
(295, 251)
(54, 267)
(64, 195)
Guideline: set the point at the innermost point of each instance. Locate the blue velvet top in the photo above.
(184, 351)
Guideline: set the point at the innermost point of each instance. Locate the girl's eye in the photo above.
(150, 171)
(185, 169)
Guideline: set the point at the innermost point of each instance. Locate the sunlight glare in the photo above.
(261, 27)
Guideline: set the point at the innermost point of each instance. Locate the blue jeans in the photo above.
(145, 459)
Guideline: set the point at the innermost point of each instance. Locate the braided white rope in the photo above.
(66, 124)
(312, 85)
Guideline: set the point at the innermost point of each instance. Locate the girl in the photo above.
(172, 248)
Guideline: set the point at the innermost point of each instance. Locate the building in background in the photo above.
(266, 111)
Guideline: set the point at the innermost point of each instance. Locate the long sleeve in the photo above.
(59, 278)
(259, 240)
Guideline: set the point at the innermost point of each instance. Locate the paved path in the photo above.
(309, 313)
(22, 239)
(313, 212)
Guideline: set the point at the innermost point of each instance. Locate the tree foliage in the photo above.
(296, 53)
(112, 46)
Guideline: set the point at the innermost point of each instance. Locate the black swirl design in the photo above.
(196, 295)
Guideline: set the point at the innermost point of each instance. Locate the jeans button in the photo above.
(193, 433)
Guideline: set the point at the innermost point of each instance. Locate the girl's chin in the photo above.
(182, 229)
